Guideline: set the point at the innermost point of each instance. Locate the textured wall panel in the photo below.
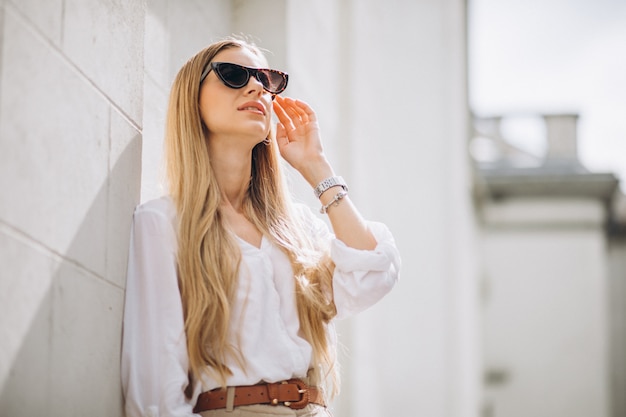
(104, 38)
(47, 16)
(55, 145)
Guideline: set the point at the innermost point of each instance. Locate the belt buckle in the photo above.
(304, 395)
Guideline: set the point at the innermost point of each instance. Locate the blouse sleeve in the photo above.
(361, 277)
(154, 354)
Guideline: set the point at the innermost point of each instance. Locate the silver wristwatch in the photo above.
(329, 183)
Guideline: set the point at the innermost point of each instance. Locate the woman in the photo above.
(231, 288)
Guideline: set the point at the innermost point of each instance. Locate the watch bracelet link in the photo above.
(329, 183)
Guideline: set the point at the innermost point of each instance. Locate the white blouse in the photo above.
(264, 322)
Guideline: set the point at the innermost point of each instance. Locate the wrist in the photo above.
(317, 171)
(333, 201)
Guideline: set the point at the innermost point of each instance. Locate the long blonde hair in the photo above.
(209, 258)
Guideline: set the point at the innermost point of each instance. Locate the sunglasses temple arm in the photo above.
(205, 73)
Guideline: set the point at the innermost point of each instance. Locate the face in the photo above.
(228, 112)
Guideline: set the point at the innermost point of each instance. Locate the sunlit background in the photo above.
(553, 56)
(545, 295)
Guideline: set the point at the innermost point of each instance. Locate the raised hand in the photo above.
(298, 138)
(299, 142)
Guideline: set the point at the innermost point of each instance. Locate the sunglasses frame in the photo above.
(251, 72)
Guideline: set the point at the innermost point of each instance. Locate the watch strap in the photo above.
(329, 183)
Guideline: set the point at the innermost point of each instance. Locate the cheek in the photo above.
(206, 117)
(209, 113)
(209, 106)
(203, 108)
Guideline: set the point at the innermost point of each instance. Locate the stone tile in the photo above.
(54, 145)
(25, 393)
(85, 346)
(177, 30)
(105, 39)
(251, 18)
(152, 162)
(203, 23)
(156, 41)
(123, 195)
(25, 283)
(61, 333)
(2, 12)
(46, 16)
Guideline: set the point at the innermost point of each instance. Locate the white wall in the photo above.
(415, 353)
(71, 99)
(545, 313)
(617, 306)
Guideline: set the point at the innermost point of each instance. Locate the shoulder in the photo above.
(156, 216)
(161, 206)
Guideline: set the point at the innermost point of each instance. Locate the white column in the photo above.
(415, 353)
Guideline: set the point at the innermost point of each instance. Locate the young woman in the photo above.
(232, 289)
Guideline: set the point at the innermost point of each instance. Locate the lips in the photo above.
(253, 106)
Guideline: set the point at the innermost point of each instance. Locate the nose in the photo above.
(254, 86)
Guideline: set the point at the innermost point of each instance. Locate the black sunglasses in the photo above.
(237, 76)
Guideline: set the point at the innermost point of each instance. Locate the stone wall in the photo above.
(70, 147)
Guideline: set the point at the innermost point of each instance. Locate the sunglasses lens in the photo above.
(233, 75)
(263, 77)
(273, 81)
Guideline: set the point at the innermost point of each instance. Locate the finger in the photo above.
(278, 109)
(292, 111)
(297, 113)
(282, 116)
(307, 110)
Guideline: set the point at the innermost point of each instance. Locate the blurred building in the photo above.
(508, 271)
(554, 300)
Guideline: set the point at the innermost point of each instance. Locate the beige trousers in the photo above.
(263, 410)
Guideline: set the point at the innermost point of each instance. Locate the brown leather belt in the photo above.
(293, 394)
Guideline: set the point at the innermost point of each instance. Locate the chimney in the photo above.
(562, 137)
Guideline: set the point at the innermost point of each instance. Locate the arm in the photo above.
(299, 142)
(361, 277)
(154, 352)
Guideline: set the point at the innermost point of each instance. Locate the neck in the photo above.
(232, 167)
